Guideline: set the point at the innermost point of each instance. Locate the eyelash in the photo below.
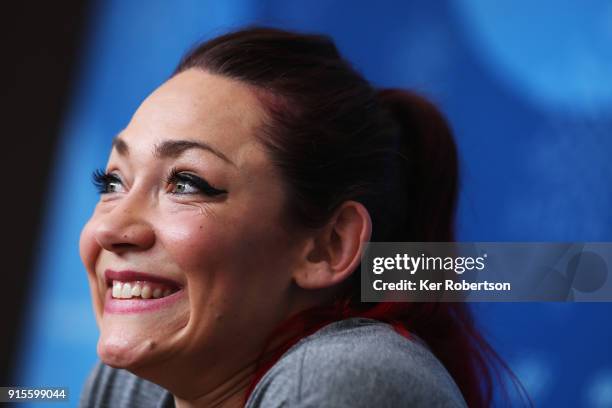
(102, 181)
(199, 183)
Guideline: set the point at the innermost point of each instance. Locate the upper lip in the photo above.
(130, 275)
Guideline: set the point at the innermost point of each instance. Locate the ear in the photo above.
(334, 251)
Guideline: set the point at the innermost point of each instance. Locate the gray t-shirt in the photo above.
(352, 363)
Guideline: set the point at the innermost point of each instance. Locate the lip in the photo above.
(130, 275)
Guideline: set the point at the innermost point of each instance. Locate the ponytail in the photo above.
(430, 164)
(430, 167)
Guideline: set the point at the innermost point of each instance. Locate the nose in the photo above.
(125, 228)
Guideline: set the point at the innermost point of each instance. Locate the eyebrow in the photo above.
(171, 148)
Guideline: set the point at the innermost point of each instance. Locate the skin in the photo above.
(241, 268)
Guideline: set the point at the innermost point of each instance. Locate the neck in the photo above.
(229, 394)
(232, 392)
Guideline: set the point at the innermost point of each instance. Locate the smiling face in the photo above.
(191, 218)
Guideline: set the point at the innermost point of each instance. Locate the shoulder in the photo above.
(357, 363)
(112, 387)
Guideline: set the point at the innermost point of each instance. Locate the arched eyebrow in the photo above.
(171, 148)
(120, 146)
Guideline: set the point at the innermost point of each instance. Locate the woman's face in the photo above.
(186, 254)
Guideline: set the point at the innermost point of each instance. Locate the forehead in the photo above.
(201, 106)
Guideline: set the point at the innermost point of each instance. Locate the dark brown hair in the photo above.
(336, 138)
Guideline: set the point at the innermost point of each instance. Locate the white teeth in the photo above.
(136, 289)
(146, 292)
(128, 290)
(116, 289)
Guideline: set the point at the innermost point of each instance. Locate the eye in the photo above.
(187, 183)
(106, 182)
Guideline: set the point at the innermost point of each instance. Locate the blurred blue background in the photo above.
(527, 87)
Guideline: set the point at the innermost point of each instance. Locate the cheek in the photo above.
(199, 242)
(228, 248)
(89, 249)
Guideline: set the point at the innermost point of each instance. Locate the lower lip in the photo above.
(112, 305)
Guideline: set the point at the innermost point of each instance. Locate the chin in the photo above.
(137, 339)
(116, 355)
(128, 354)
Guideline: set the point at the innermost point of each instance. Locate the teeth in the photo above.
(136, 289)
(146, 292)
(116, 289)
(128, 290)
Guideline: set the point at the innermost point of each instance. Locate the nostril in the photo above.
(123, 246)
(121, 234)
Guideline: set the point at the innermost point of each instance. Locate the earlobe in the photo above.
(333, 253)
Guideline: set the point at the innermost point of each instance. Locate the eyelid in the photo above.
(102, 178)
(201, 184)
